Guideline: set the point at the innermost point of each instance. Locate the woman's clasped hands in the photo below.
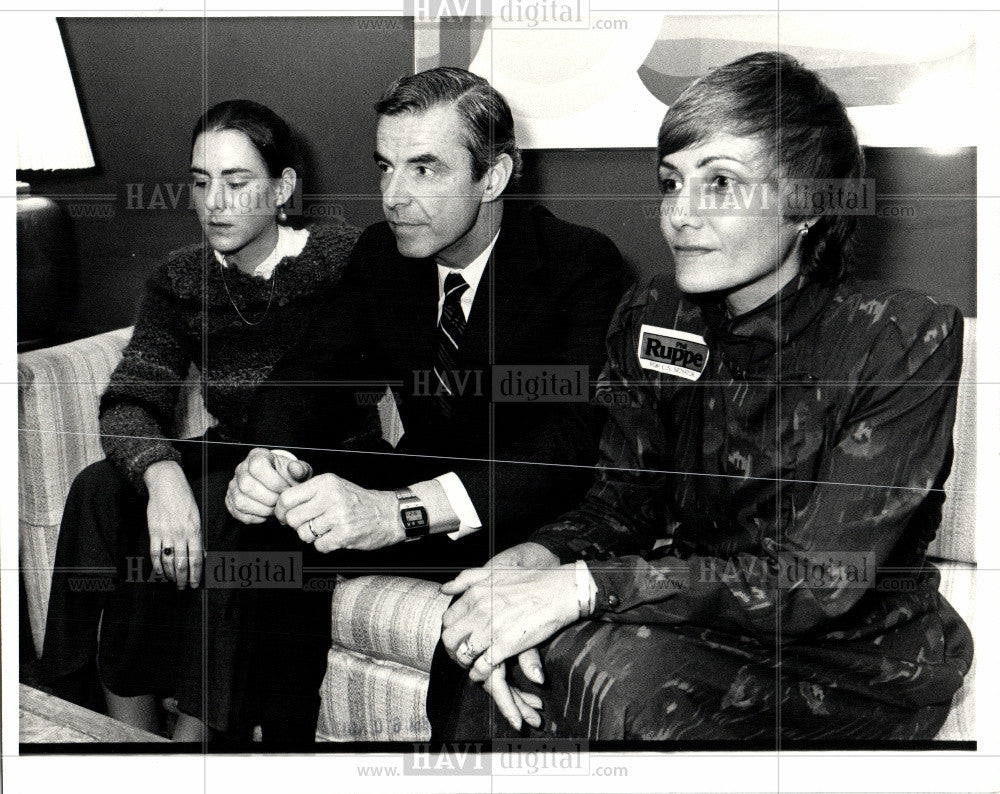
(515, 602)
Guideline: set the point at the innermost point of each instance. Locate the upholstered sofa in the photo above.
(384, 627)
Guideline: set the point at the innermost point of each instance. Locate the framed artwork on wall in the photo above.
(606, 81)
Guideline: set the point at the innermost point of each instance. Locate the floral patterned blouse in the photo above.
(776, 478)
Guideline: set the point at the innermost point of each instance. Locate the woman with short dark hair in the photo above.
(750, 562)
(232, 306)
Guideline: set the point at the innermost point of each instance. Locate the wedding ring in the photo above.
(312, 531)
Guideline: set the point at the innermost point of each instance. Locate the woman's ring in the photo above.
(168, 551)
(312, 531)
(467, 651)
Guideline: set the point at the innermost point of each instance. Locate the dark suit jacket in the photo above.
(545, 299)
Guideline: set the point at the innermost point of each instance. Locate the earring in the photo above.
(805, 230)
(282, 215)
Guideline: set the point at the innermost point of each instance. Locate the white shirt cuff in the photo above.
(461, 504)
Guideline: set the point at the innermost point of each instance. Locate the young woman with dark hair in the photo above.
(231, 306)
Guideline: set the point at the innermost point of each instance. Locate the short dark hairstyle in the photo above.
(801, 124)
(489, 123)
(267, 131)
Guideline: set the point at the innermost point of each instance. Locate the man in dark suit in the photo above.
(476, 322)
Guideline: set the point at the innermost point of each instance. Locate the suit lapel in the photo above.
(510, 276)
(425, 299)
(410, 314)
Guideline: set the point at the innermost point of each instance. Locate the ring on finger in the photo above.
(309, 526)
(466, 650)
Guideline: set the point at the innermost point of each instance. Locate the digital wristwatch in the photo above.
(413, 514)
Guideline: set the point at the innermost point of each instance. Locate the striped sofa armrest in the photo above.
(58, 389)
(58, 436)
(394, 618)
(385, 629)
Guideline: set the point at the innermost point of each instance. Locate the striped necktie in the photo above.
(450, 330)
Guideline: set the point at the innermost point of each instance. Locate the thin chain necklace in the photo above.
(259, 320)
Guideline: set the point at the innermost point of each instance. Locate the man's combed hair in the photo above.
(489, 123)
(801, 124)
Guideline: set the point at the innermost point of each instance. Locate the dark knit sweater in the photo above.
(188, 317)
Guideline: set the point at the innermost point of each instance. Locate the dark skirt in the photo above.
(107, 605)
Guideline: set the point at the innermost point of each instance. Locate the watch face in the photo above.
(414, 518)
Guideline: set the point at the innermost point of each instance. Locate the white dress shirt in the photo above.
(472, 273)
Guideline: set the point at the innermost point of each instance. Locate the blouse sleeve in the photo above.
(137, 409)
(892, 452)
